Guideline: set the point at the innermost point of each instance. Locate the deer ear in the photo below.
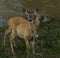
(36, 10)
(25, 10)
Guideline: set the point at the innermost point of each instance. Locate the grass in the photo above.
(48, 41)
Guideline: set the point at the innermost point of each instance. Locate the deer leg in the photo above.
(27, 43)
(33, 47)
(12, 42)
(6, 32)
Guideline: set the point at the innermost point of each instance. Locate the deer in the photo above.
(24, 28)
(43, 16)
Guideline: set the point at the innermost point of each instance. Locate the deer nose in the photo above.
(30, 20)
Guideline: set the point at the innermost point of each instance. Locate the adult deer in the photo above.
(23, 28)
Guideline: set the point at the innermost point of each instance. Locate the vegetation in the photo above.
(48, 41)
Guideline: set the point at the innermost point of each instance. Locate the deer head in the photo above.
(30, 15)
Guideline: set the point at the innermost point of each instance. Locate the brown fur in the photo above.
(21, 27)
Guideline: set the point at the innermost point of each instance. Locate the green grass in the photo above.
(46, 43)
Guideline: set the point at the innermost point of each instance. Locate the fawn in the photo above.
(24, 28)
